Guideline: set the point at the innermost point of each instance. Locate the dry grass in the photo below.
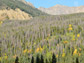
(14, 15)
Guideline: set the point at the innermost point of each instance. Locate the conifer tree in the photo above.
(46, 61)
(32, 60)
(42, 60)
(17, 60)
(37, 59)
(77, 61)
(53, 58)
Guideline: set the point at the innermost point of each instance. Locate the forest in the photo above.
(43, 39)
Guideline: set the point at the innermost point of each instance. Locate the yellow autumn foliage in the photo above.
(39, 49)
(1, 22)
(63, 55)
(78, 35)
(25, 51)
(29, 51)
(5, 57)
(57, 56)
(14, 56)
(0, 58)
(70, 25)
(70, 28)
(65, 42)
(75, 52)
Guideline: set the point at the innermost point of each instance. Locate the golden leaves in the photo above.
(70, 27)
(39, 49)
(63, 55)
(75, 52)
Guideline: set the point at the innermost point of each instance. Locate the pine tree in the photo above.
(37, 59)
(32, 60)
(46, 61)
(42, 60)
(17, 60)
(77, 61)
(53, 58)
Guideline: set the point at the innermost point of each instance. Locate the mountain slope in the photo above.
(60, 9)
(16, 14)
(13, 4)
(28, 3)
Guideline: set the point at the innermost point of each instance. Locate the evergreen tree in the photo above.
(77, 61)
(17, 60)
(42, 60)
(53, 58)
(32, 60)
(46, 61)
(37, 59)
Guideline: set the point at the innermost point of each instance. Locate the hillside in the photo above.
(28, 3)
(13, 4)
(16, 14)
(30, 35)
(61, 9)
(44, 38)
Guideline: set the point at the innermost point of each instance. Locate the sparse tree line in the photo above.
(42, 60)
